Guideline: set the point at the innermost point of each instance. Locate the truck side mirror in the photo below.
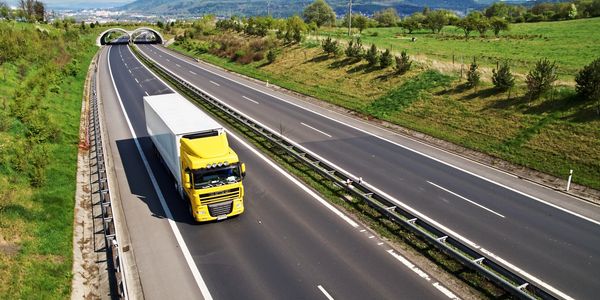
(243, 170)
(187, 180)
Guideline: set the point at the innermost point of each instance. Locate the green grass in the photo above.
(572, 44)
(553, 134)
(36, 221)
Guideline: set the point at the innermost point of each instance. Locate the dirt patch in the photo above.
(8, 248)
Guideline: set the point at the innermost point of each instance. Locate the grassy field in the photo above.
(573, 44)
(41, 86)
(553, 134)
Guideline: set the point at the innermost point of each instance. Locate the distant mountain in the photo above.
(284, 8)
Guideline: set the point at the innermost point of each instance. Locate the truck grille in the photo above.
(219, 196)
(220, 209)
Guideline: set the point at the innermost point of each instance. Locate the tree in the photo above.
(294, 28)
(5, 11)
(372, 55)
(503, 79)
(473, 75)
(354, 49)
(271, 56)
(386, 59)
(330, 46)
(39, 11)
(413, 22)
(436, 20)
(387, 17)
(498, 9)
(403, 63)
(482, 25)
(467, 24)
(540, 79)
(588, 83)
(498, 24)
(319, 12)
(361, 22)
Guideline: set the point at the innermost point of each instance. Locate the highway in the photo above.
(289, 244)
(543, 235)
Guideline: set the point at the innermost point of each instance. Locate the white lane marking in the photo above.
(256, 102)
(461, 197)
(214, 83)
(380, 243)
(317, 130)
(168, 59)
(275, 166)
(136, 80)
(363, 230)
(146, 93)
(398, 202)
(445, 291)
(129, 71)
(322, 289)
(178, 65)
(525, 274)
(371, 236)
(396, 143)
(410, 265)
(192, 72)
(182, 245)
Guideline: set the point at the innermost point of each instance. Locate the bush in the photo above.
(386, 59)
(503, 80)
(540, 79)
(330, 46)
(372, 55)
(588, 83)
(355, 49)
(473, 75)
(271, 56)
(403, 63)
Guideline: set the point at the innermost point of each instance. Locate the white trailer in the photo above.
(170, 117)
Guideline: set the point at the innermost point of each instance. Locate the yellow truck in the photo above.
(194, 148)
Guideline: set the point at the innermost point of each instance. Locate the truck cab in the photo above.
(212, 176)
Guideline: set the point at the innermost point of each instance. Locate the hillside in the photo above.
(42, 73)
(283, 8)
(431, 98)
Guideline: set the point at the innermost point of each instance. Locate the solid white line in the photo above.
(214, 83)
(256, 102)
(317, 130)
(325, 292)
(396, 143)
(461, 197)
(272, 164)
(410, 265)
(398, 202)
(182, 245)
(445, 291)
(192, 72)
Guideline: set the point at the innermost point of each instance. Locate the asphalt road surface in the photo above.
(525, 228)
(287, 245)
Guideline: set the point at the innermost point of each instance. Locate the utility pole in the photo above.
(349, 18)
(268, 8)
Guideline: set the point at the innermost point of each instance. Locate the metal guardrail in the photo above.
(111, 241)
(513, 283)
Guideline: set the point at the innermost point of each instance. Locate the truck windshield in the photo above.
(216, 177)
